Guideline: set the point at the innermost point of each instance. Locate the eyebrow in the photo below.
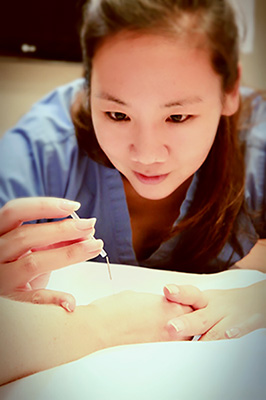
(174, 103)
(183, 102)
(109, 97)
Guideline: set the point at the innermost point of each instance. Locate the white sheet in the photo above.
(227, 369)
(89, 281)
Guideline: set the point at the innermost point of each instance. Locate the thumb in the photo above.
(45, 296)
(196, 323)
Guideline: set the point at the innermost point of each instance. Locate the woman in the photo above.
(159, 162)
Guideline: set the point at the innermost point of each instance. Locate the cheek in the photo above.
(101, 131)
(108, 139)
(193, 147)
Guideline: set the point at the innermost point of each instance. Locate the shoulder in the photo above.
(47, 124)
(37, 154)
(253, 136)
(48, 121)
(51, 115)
(253, 119)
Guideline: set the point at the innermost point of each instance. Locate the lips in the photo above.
(150, 179)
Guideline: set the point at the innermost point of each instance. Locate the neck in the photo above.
(174, 200)
(152, 220)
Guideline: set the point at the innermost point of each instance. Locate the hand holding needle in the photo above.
(103, 253)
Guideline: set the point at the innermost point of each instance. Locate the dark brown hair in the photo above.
(219, 195)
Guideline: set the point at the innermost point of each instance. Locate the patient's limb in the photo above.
(37, 337)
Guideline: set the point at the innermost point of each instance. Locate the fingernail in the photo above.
(84, 224)
(66, 306)
(36, 299)
(177, 325)
(172, 289)
(93, 244)
(232, 333)
(69, 205)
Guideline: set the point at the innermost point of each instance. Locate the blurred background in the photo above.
(39, 50)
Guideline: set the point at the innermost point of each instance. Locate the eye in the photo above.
(117, 116)
(178, 118)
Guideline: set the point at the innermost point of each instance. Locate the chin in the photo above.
(152, 193)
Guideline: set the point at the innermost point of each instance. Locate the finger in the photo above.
(215, 333)
(218, 332)
(186, 294)
(40, 282)
(18, 273)
(45, 296)
(17, 211)
(241, 329)
(196, 323)
(18, 241)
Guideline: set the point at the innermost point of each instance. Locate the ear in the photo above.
(232, 98)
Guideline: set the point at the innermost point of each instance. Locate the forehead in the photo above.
(125, 42)
(128, 42)
(152, 62)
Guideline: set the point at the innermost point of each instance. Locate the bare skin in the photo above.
(219, 314)
(48, 336)
(157, 126)
(50, 331)
(152, 220)
(157, 129)
(28, 253)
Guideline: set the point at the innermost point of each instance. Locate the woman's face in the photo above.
(156, 104)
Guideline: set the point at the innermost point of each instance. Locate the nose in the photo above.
(148, 147)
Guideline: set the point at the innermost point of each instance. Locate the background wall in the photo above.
(254, 63)
(24, 80)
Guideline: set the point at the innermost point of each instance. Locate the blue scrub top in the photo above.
(40, 157)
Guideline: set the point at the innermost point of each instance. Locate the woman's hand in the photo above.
(219, 314)
(29, 252)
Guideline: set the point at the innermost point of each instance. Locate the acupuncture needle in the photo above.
(103, 253)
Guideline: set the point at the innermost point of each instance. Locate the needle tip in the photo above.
(109, 268)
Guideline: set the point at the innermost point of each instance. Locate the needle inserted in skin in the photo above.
(109, 268)
(103, 253)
